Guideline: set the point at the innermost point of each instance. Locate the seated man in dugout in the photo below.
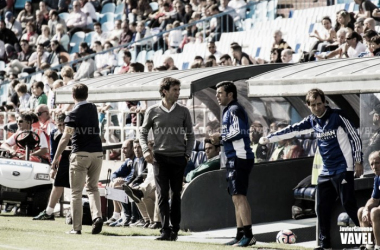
(123, 175)
(256, 131)
(212, 150)
(369, 215)
(24, 122)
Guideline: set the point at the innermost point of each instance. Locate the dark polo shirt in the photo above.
(84, 120)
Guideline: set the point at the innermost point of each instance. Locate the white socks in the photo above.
(49, 210)
(116, 215)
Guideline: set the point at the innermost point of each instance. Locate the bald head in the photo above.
(286, 55)
(369, 24)
(127, 149)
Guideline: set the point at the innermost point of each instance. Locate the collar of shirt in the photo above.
(165, 109)
(79, 104)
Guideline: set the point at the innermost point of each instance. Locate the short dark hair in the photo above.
(229, 87)
(137, 66)
(97, 24)
(166, 83)
(61, 117)
(161, 68)
(80, 91)
(26, 116)
(236, 48)
(149, 61)
(376, 39)
(84, 45)
(210, 142)
(313, 94)
(24, 41)
(357, 36)
(211, 57)
(51, 74)
(369, 34)
(38, 85)
(225, 56)
(198, 58)
(128, 54)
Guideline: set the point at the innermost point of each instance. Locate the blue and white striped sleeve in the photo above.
(300, 128)
(354, 137)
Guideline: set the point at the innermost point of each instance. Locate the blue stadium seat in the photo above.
(107, 17)
(118, 16)
(296, 49)
(154, 6)
(119, 9)
(196, 144)
(20, 4)
(141, 57)
(201, 146)
(75, 41)
(149, 55)
(185, 65)
(201, 157)
(88, 37)
(63, 16)
(193, 156)
(108, 26)
(108, 8)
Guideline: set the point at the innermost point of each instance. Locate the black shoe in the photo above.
(44, 216)
(72, 231)
(165, 236)
(147, 224)
(97, 225)
(156, 225)
(173, 236)
(139, 223)
(246, 241)
(232, 242)
(135, 194)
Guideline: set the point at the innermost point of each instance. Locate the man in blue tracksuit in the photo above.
(240, 159)
(341, 149)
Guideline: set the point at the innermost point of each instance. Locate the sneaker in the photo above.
(165, 236)
(232, 242)
(156, 225)
(110, 220)
(72, 231)
(97, 225)
(135, 194)
(246, 241)
(44, 216)
(139, 223)
(123, 223)
(113, 224)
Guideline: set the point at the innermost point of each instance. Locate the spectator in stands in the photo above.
(23, 96)
(10, 41)
(169, 63)
(13, 24)
(86, 68)
(211, 59)
(36, 60)
(58, 55)
(175, 36)
(212, 51)
(237, 5)
(60, 176)
(61, 36)
(256, 131)
(344, 21)
(212, 150)
(354, 46)
(118, 178)
(143, 10)
(224, 7)
(67, 74)
(43, 10)
(26, 15)
(83, 47)
(24, 123)
(287, 56)
(369, 214)
(189, 12)
(63, 6)
(46, 123)
(89, 9)
(108, 60)
(149, 66)
(275, 55)
(40, 21)
(38, 97)
(99, 35)
(375, 45)
(240, 57)
(328, 35)
(114, 35)
(142, 33)
(367, 42)
(162, 17)
(341, 39)
(127, 62)
(21, 62)
(30, 35)
(50, 76)
(225, 60)
(126, 35)
(136, 67)
(279, 151)
(359, 27)
(45, 37)
(54, 21)
(367, 9)
(279, 43)
(369, 24)
(225, 23)
(77, 20)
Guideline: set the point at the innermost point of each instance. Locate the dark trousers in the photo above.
(168, 174)
(328, 188)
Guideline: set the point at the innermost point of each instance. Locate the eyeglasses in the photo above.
(40, 113)
(20, 121)
(349, 38)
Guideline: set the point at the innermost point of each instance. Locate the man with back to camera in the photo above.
(170, 123)
(341, 149)
(369, 215)
(81, 125)
(240, 159)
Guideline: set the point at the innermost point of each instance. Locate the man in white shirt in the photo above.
(89, 9)
(12, 24)
(77, 20)
(99, 34)
(212, 51)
